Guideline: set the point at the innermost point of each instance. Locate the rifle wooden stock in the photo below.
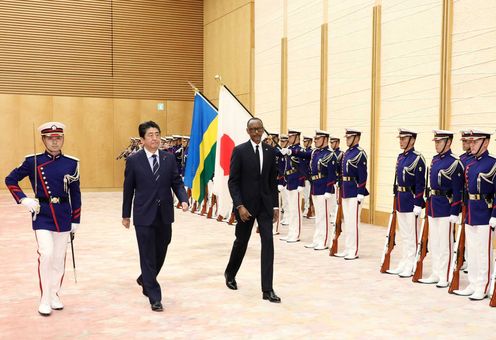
(458, 256)
(421, 248)
(232, 219)
(213, 202)
(205, 202)
(492, 302)
(194, 208)
(390, 241)
(337, 227)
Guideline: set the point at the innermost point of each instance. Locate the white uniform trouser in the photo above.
(440, 246)
(52, 247)
(306, 196)
(409, 233)
(294, 210)
(333, 207)
(321, 234)
(479, 248)
(351, 221)
(284, 203)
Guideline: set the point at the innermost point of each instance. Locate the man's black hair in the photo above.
(145, 126)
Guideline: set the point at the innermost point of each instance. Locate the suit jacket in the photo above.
(149, 194)
(249, 187)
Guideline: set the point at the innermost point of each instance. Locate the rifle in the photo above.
(424, 236)
(337, 229)
(454, 275)
(213, 201)
(492, 302)
(391, 234)
(311, 208)
(205, 202)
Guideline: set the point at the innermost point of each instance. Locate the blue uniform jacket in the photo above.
(281, 165)
(479, 176)
(410, 174)
(323, 163)
(354, 172)
(57, 189)
(465, 159)
(446, 182)
(294, 169)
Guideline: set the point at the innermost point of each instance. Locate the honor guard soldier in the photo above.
(352, 191)
(184, 153)
(295, 177)
(410, 186)
(446, 183)
(307, 146)
(55, 210)
(323, 164)
(466, 158)
(333, 200)
(281, 180)
(480, 221)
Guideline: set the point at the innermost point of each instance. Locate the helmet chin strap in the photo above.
(444, 147)
(480, 147)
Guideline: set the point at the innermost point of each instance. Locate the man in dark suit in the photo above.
(149, 177)
(253, 188)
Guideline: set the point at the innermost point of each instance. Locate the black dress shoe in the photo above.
(231, 283)
(271, 296)
(157, 306)
(139, 281)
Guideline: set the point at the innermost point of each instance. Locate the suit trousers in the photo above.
(243, 233)
(153, 241)
(51, 264)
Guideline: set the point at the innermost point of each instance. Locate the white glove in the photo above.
(454, 219)
(74, 227)
(360, 198)
(327, 195)
(417, 210)
(286, 151)
(300, 189)
(280, 187)
(31, 204)
(492, 222)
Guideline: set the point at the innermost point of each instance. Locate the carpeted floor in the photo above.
(322, 296)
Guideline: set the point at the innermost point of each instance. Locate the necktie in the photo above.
(155, 167)
(257, 153)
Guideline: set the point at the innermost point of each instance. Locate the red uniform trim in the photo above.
(357, 208)
(299, 215)
(489, 253)
(449, 257)
(327, 223)
(47, 195)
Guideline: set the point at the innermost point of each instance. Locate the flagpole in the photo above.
(218, 78)
(193, 87)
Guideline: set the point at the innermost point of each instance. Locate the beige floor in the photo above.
(322, 297)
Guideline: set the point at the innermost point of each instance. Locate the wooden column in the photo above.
(446, 49)
(375, 108)
(284, 70)
(323, 67)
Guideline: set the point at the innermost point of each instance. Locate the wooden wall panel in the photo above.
(18, 114)
(101, 48)
(216, 9)
(89, 136)
(178, 118)
(268, 34)
(473, 68)
(228, 44)
(410, 84)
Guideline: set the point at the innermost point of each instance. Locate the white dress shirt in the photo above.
(260, 151)
(150, 158)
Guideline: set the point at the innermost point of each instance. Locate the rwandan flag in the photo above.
(201, 151)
